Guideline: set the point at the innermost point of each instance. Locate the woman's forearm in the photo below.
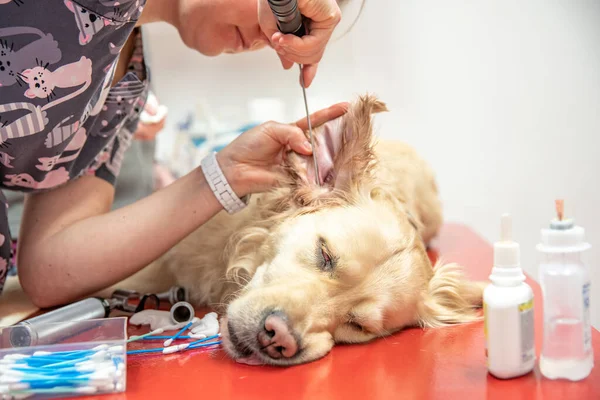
(95, 252)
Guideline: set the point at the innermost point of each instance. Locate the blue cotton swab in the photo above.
(169, 341)
(100, 369)
(174, 349)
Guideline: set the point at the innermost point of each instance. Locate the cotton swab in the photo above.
(177, 348)
(88, 371)
(172, 349)
(57, 390)
(182, 337)
(154, 332)
(169, 341)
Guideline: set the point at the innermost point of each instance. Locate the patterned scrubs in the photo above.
(59, 116)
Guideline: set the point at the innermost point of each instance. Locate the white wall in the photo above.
(503, 98)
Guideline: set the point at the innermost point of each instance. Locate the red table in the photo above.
(445, 363)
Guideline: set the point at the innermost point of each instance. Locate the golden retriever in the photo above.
(304, 266)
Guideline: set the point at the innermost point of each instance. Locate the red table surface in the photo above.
(446, 363)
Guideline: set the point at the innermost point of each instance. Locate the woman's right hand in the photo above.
(252, 162)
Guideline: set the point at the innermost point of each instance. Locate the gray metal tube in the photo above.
(47, 328)
(182, 312)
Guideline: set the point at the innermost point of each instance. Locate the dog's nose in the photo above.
(276, 338)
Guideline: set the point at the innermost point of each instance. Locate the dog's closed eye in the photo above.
(356, 326)
(326, 260)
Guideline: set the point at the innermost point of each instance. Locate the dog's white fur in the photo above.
(374, 219)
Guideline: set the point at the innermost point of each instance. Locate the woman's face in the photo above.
(221, 26)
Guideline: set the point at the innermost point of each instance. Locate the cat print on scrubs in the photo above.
(123, 9)
(42, 82)
(52, 179)
(112, 155)
(63, 132)
(28, 124)
(88, 22)
(42, 51)
(75, 145)
(115, 116)
(5, 159)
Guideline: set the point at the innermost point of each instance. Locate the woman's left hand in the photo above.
(252, 162)
(324, 15)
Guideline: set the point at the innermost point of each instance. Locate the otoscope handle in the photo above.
(46, 328)
(289, 19)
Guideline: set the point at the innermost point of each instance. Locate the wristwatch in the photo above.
(220, 187)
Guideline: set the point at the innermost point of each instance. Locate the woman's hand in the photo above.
(252, 162)
(324, 15)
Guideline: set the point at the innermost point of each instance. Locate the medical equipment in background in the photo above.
(124, 300)
(60, 324)
(290, 21)
(47, 328)
(174, 295)
(182, 312)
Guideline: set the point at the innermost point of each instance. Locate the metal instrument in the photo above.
(290, 21)
(174, 295)
(62, 323)
(47, 329)
(182, 312)
(121, 299)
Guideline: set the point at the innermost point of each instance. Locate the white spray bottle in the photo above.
(508, 311)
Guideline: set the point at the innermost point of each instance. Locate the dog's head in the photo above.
(340, 263)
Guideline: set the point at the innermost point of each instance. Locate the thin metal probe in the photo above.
(312, 142)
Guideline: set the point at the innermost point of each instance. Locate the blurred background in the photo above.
(502, 98)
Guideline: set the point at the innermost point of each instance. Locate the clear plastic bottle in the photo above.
(508, 312)
(565, 281)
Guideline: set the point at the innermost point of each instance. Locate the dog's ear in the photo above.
(450, 298)
(343, 152)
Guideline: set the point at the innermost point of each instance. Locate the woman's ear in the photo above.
(343, 151)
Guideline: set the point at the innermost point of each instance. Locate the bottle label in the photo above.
(527, 331)
(587, 329)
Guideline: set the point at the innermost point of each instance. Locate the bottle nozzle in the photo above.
(560, 222)
(560, 209)
(506, 228)
(506, 251)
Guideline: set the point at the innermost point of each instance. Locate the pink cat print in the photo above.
(76, 144)
(88, 22)
(5, 160)
(29, 124)
(52, 178)
(42, 82)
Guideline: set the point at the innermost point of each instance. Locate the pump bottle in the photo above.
(508, 311)
(565, 281)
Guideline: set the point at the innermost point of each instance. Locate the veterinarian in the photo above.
(73, 82)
